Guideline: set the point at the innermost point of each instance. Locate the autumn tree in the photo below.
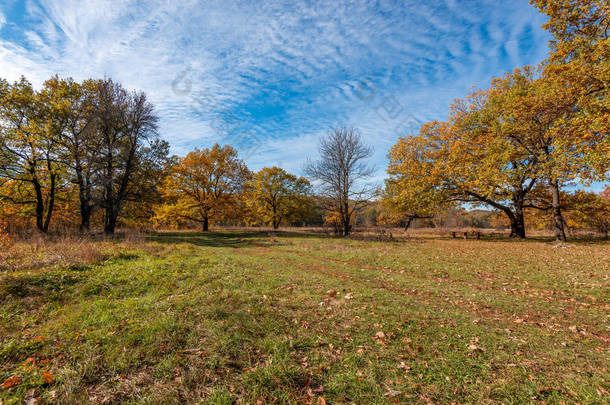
(94, 141)
(126, 124)
(340, 172)
(145, 191)
(578, 69)
(545, 123)
(29, 167)
(405, 198)
(465, 160)
(204, 185)
(590, 210)
(277, 196)
(580, 47)
(78, 140)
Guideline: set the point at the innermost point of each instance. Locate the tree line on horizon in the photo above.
(88, 155)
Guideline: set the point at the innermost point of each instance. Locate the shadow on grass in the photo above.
(263, 238)
(233, 239)
(578, 240)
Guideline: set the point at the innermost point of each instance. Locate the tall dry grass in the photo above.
(66, 249)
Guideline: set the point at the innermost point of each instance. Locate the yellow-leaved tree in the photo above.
(589, 210)
(275, 196)
(30, 176)
(406, 197)
(464, 160)
(578, 69)
(541, 116)
(202, 186)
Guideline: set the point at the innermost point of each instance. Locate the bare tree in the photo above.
(340, 172)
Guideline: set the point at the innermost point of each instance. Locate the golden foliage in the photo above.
(275, 196)
(203, 186)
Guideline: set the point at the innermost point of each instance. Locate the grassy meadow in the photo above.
(287, 317)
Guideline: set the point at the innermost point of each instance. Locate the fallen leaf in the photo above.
(11, 382)
(321, 401)
(404, 366)
(391, 392)
(28, 361)
(47, 377)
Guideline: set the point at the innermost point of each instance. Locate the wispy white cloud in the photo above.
(285, 71)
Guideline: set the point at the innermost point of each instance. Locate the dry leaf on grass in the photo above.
(47, 377)
(11, 382)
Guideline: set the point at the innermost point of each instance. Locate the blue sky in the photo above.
(271, 77)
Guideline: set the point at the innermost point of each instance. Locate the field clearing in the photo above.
(263, 317)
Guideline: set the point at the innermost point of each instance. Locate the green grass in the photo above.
(251, 318)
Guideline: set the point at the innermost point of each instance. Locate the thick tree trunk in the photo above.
(111, 219)
(517, 224)
(39, 205)
(51, 204)
(205, 224)
(84, 196)
(85, 217)
(560, 234)
(275, 221)
(346, 228)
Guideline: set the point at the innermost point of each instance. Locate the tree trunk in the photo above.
(346, 228)
(39, 205)
(85, 217)
(517, 224)
(346, 217)
(275, 221)
(205, 225)
(51, 203)
(84, 196)
(111, 219)
(408, 224)
(560, 234)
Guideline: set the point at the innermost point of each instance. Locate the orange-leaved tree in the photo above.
(579, 69)
(542, 118)
(580, 47)
(414, 188)
(467, 159)
(204, 185)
